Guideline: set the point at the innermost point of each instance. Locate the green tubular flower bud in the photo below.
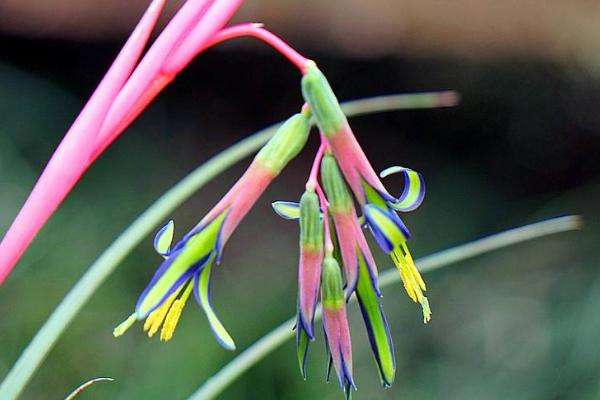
(335, 185)
(311, 222)
(287, 142)
(323, 103)
(332, 292)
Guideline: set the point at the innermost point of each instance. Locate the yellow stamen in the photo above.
(123, 326)
(156, 317)
(413, 268)
(411, 278)
(172, 318)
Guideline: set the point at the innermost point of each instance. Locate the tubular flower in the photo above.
(311, 258)
(350, 247)
(379, 207)
(350, 239)
(335, 323)
(187, 266)
(348, 231)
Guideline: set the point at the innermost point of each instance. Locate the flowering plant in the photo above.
(335, 260)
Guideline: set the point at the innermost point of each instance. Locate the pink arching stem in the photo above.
(176, 63)
(151, 76)
(314, 171)
(326, 228)
(257, 31)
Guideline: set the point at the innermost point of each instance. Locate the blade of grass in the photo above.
(272, 340)
(65, 312)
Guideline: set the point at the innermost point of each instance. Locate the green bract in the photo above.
(286, 143)
(332, 285)
(311, 222)
(323, 103)
(335, 185)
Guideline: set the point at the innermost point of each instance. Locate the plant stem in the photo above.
(65, 312)
(85, 386)
(257, 31)
(271, 341)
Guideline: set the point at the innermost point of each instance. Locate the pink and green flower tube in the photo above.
(187, 265)
(351, 241)
(311, 258)
(335, 323)
(309, 272)
(385, 224)
(348, 231)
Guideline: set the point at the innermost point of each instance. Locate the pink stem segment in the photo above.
(314, 171)
(257, 31)
(175, 63)
(313, 183)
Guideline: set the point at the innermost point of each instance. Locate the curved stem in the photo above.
(326, 225)
(314, 171)
(124, 116)
(85, 386)
(63, 315)
(257, 31)
(268, 343)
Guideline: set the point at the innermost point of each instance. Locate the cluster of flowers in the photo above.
(335, 259)
(331, 232)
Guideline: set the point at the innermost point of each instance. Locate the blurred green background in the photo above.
(524, 145)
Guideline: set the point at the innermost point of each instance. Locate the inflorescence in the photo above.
(335, 260)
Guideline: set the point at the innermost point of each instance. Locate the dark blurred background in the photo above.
(524, 145)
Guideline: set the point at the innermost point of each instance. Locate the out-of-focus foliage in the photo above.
(521, 323)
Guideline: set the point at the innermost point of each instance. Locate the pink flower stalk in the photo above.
(125, 91)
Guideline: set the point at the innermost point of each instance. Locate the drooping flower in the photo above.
(366, 288)
(335, 323)
(379, 207)
(311, 258)
(350, 239)
(351, 249)
(187, 266)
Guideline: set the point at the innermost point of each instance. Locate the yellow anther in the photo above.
(411, 278)
(171, 321)
(156, 317)
(174, 313)
(413, 268)
(123, 326)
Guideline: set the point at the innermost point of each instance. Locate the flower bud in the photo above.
(323, 103)
(311, 222)
(287, 142)
(332, 292)
(335, 323)
(335, 186)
